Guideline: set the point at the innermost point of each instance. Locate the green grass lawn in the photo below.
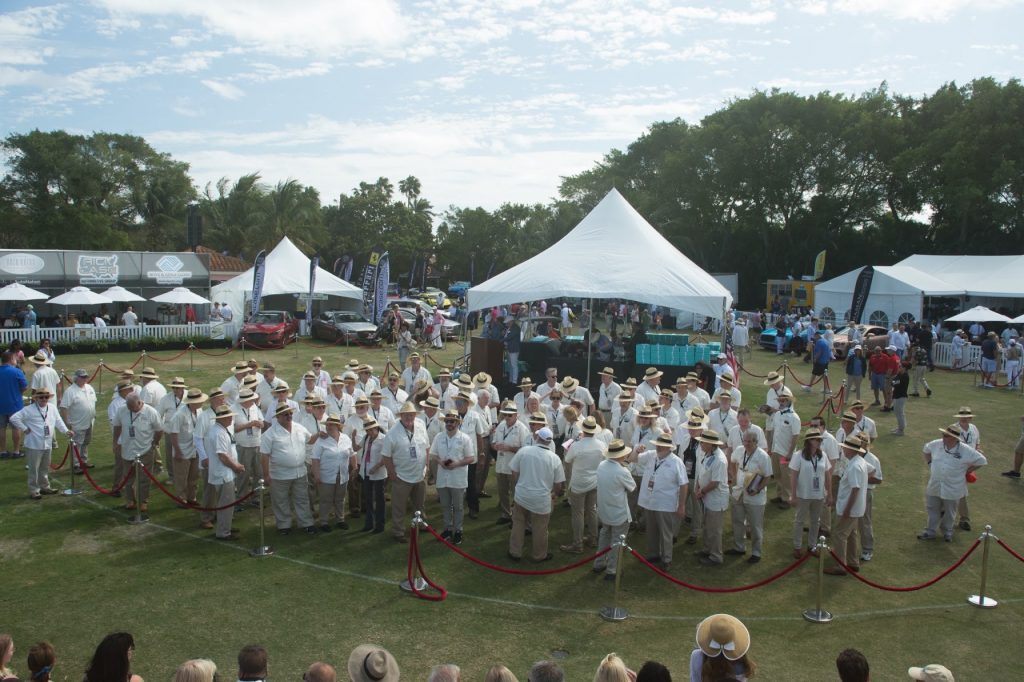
(74, 570)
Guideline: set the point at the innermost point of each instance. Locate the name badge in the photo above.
(248, 430)
(650, 484)
(131, 432)
(46, 429)
(816, 483)
(412, 452)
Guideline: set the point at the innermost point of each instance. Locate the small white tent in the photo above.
(897, 293)
(612, 253)
(287, 273)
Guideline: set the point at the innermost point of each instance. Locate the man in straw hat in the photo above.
(393, 395)
(137, 432)
(722, 646)
(525, 393)
(729, 385)
(204, 423)
(864, 423)
(538, 478)
(371, 663)
(405, 456)
(282, 395)
(662, 495)
(44, 376)
(509, 435)
(453, 451)
(949, 460)
(608, 393)
(152, 390)
(373, 474)
(583, 458)
(122, 390)
(338, 401)
(475, 427)
(181, 429)
(366, 382)
(38, 423)
(683, 400)
(283, 454)
(722, 419)
(334, 462)
(323, 377)
(614, 483)
(445, 390)
(224, 465)
(310, 389)
(694, 389)
(851, 500)
(248, 431)
(233, 383)
(809, 489)
(712, 491)
(649, 389)
(415, 372)
(865, 525)
(166, 407)
(783, 429)
(78, 409)
(750, 469)
(571, 390)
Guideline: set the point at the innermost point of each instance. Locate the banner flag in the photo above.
(369, 279)
(259, 273)
(380, 299)
(861, 290)
(819, 265)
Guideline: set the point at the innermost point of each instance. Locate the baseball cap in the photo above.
(81, 373)
(545, 434)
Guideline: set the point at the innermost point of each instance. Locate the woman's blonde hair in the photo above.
(571, 414)
(499, 673)
(611, 669)
(6, 642)
(196, 670)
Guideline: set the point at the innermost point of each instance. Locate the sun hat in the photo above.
(176, 382)
(722, 634)
(772, 378)
(617, 450)
(710, 437)
(353, 364)
(283, 408)
(666, 393)
(41, 391)
(308, 375)
(407, 408)
(849, 417)
(222, 411)
(852, 443)
(452, 414)
(569, 385)
(933, 672)
(693, 376)
(538, 418)
(724, 394)
(953, 431)
(364, 368)
(269, 367)
(370, 423)
(544, 434)
(316, 358)
(338, 380)
(482, 380)
(431, 402)
(813, 434)
(372, 663)
(375, 393)
(964, 412)
(40, 359)
(150, 373)
(121, 385)
(127, 373)
(349, 376)
(697, 414)
(590, 426)
(508, 408)
(414, 356)
(394, 375)
(629, 383)
(625, 397)
(645, 413)
(250, 381)
(445, 372)
(281, 387)
(525, 382)
(726, 377)
(680, 381)
(246, 394)
(81, 374)
(335, 420)
(464, 381)
(362, 402)
(786, 394)
(663, 440)
(652, 373)
(608, 372)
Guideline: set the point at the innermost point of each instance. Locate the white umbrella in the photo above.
(978, 313)
(20, 292)
(121, 294)
(180, 295)
(80, 296)
(1018, 320)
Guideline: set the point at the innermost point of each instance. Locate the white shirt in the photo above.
(722, 421)
(219, 441)
(757, 463)
(830, 446)
(393, 399)
(168, 405)
(623, 424)
(812, 476)
(184, 423)
(875, 468)
(138, 430)
(516, 436)
(341, 407)
(286, 449)
(473, 425)
(368, 386)
(265, 390)
(662, 479)
(714, 467)
(268, 413)
(586, 456)
(772, 401)
(334, 457)
(970, 436)
(248, 437)
(948, 469)
(648, 392)
(99, 321)
(446, 395)
(407, 451)
(80, 403)
(455, 448)
(614, 483)
(152, 392)
(736, 433)
(866, 425)
(539, 470)
(116, 403)
(900, 339)
(46, 377)
(39, 425)
(129, 319)
(386, 419)
(410, 377)
(231, 386)
(608, 395)
(855, 476)
(304, 392)
(785, 427)
(370, 455)
(520, 401)
(583, 395)
(323, 378)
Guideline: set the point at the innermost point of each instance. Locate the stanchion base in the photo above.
(983, 602)
(405, 586)
(138, 520)
(613, 613)
(68, 492)
(265, 550)
(816, 616)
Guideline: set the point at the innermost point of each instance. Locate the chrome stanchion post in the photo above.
(69, 491)
(137, 490)
(616, 613)
(819, 615)
(418, 581)
(263, 549)
(980, 600)
(99, 375)
(191, 357)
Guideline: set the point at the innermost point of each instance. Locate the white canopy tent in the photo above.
(612, 253)
(897, 294)
(287, 273)
(978, 313)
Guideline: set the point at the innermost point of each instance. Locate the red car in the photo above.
(271, 328)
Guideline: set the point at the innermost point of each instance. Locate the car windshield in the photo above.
(349, 317)
(268, 318)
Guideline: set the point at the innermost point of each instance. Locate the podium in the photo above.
(487, 355)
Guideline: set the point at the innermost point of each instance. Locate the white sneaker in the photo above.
(866, 556)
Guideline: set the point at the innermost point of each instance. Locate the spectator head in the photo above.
(611, 669)
(112, 659)
(446, 672)
(252, 663)
(546, 671)
(933, 672)
(320, 672)
(852, 666)
(652, 671)
(371, 663)
(499, 673)
(196, 670)
(6, 653)
(41, 659)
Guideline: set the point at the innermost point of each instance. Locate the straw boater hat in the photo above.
(964, 412)
(630, 383)
(652, 373)
(308, 375)
(335, 420)
(127, 373)
(723, 635)
(726, 377)
(849, 417)
(310, 400)
(680, 381)
(452, 414)
(813, 434)
(41, 391)
(625, 397)
(337, 380)
(281, 387)
(122, 385)
(431, 402)
(465, 395)
(370, 423)
(508, 408)
(246, 394)
(150, 373)
(524, 383)
(857, 405)
(772, 378)
(353, 364)
(178, 382)
(693, 376)
(375, 393)
(407, 408)
(420, 385)
(362, 402)
(697, 414)
(464, 381)
(364, 368)
(852, 443)
(240, 367)
(394, 375)
(617, 450)
(371, 663)
(269, 367)
(414, 356)
(445, 372)
(538, 418)
(482, 380)
(608, 372)
(590, 426)
(724, 394)
(645, 413)
(663, 440)
(195, 396)
(349, 376)
(40, 359)
(283, 408)
(653, 405)
(222, 411)
(667, 393)
(710, 437)
(569, 385)
(250, 381)
(787, 394)
(953, 431)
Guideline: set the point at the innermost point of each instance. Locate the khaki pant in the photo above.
(584, 515)
(186, 476)
(402, 493)
(746, 515)
(332, 498)
(919, 380)
(505, 495)
(661, 530)
(286, 496)
(808, 513)
(940, 511)
(223, 494)
(209, 496)
(121, 467)
(147, 460)
(695, 512)
(250, 459)
(864, 526)
(607, 537)
(846, 541)
(356, 503)
(82, 439)
(962, 510)
(538, 523)
(853, 382)
(38, 463)
(483, 464)
(781, 473)
(714, 522)
(167, 453)
(452, 503)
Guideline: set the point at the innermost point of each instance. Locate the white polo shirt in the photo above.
(456, 448)
(614, 483)
(714, 467)
(138, 430)
(393, 399)
(812, 476)
(855, 476)
(949, 469)
(586, 456)
(736, 433)
(539, 470)
(722, 421)
(39, 425)
(875, 467)
(410, 377)
(248, 437)
(407, 451)
(516, 436)
(866, 425)
(757, 463)
(785, 427)
(472, 425)
(218, 441)
(286, 449)
(370, 455)
(183, 423)
(661, 480)
(608, 396)
(80, 403)
(341, 407)
(335, 457)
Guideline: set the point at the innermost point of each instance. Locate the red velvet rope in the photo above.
(195, 507)
(216, 355)
(1016, 556)
(100, 489)
(758, 376)
(761, 583)
(67, 453)
(414, 558)
(250, 344)
(514, 571)
(171, 359)
(912, 588)
(815, 380)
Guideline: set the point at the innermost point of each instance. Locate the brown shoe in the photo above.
(206, 525)
(143, 507)
(797, 553)
(130, 506)
(834, 570)
(571, 549)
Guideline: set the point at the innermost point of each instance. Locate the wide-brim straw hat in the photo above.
(697, 414)
(772, 378)
(177, 382)
(224, 411)
(370, 423)
(282, 387)
(334, 419)
(646, 413)
(525, 382)
(482, 380)
(727, 378)
(953, 431)
(569, 385)
(508, 408)
(150, 373)
(852, 443)
(408, 408)
(283, 408)
(652, 373)
(723, 635)
(664, 440)
(538, 418)
(40, 359)
(608, 372)
(372, 663)
(431, 402)
(590, 426)
(964, 412)
(42, 391)
(711, 438)
(849, 417)
(813, 434)
(617, 450)
(246, 394)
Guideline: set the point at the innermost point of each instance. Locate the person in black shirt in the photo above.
(900, 382)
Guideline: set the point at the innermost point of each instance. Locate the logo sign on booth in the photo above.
(21, 263)
(98, 269)
(169, 271)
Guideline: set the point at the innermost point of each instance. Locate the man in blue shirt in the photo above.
(821, 355)
(29, 320)
(12, 385)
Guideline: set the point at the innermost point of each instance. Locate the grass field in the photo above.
(74, 569)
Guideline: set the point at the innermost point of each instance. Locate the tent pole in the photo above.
(590, 339)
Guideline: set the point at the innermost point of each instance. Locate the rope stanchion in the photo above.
(67, 453)
(616, 613)
(217, 354)
(513, 571)
(980, 600)
(170, 359)
(71, 490)
(1014, 554)
(137, 467)
(262, 549)
(721, 590)
(819, 614)
(166, 491)
(100, 489)
(417, 580)
(911, 588)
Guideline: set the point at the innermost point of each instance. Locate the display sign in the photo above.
(101, 269)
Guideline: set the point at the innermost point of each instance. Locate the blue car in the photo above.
(767, 340)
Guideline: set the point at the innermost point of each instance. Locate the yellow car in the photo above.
(430, 296)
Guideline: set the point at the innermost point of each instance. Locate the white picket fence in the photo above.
(65, 335)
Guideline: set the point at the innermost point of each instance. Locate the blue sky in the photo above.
(485, 101)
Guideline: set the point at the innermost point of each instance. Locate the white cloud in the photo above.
(225, 90)
(22, 35)
(918, 10)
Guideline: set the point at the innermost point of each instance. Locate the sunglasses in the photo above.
(285, 416)
(318, 364)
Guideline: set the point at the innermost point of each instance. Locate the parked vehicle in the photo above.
(344, 326)
(451, 327)
(872, 336)
(269, 328)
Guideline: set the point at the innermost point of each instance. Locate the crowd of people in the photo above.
(721, 653)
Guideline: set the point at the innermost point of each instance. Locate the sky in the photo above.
(485, 101)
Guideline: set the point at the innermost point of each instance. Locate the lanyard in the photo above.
(367, 448)
(746, 459)
(43, 413)
(814, 462)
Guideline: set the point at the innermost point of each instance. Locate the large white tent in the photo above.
(612, 253)
(287, 273)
